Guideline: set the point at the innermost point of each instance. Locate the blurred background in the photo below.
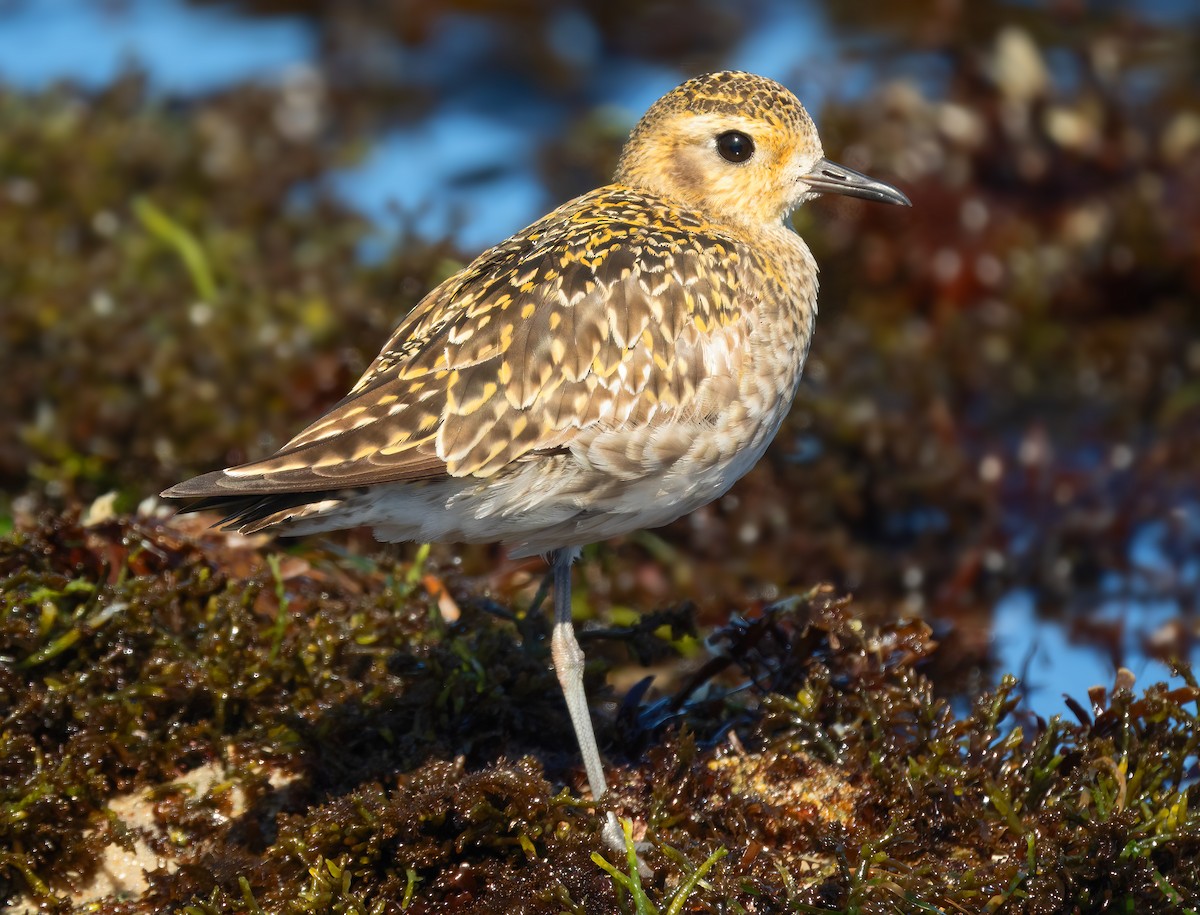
(212, 215)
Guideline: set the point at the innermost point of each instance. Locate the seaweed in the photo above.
(368, 754)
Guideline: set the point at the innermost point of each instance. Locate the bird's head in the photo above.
(739, 148)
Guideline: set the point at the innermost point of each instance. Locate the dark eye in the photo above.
(735, 146)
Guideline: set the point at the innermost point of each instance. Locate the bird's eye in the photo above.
(735, 146)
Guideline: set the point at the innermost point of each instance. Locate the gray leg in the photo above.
(568, 665)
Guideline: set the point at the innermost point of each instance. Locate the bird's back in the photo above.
(626, 345)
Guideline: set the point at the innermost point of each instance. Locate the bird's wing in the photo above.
(597, 319)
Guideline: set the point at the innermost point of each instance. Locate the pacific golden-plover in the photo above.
(613, 366)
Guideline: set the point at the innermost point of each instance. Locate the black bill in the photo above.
(830, 178)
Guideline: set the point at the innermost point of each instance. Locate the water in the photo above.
(183, 49)
(1053, 664)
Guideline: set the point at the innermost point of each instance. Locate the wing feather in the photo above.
(598, 320)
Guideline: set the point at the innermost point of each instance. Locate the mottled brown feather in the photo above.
(599, 314)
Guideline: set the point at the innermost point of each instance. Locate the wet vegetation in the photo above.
(1004, 392)
(375, 756)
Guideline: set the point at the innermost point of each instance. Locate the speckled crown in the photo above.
(729, 92)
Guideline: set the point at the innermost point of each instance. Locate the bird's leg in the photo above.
(568, 665)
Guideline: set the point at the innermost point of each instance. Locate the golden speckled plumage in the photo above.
(599, 313)
(615, 365)
(649, 332)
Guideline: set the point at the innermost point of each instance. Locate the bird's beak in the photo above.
(830, 178)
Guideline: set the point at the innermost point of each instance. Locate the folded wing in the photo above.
(594, 322)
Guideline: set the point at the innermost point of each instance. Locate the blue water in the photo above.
(480, 145)
(1051, 665)
(436, 192)
(183, 49)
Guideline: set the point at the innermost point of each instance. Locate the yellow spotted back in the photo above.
(616, 309)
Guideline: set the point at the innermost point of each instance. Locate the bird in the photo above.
(615, 365)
